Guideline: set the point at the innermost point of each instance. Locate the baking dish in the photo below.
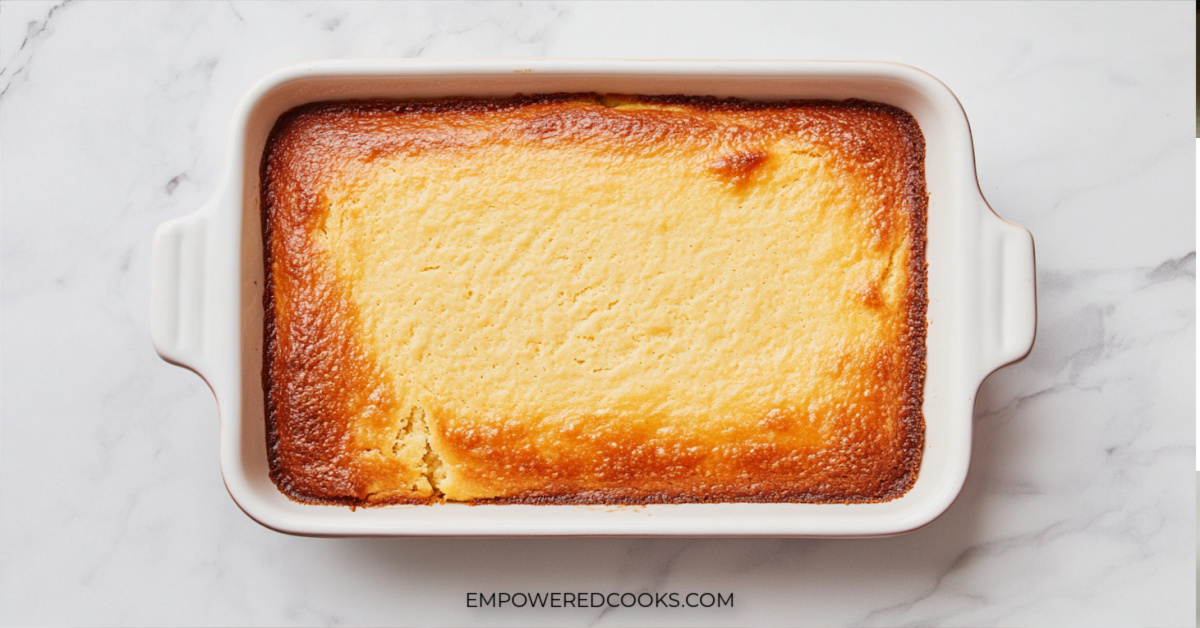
(206, 302)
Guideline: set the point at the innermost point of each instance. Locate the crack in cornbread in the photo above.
(594, 299)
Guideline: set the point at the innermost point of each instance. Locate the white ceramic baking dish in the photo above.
(207, 315)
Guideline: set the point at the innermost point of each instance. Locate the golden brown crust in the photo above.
(322, 384)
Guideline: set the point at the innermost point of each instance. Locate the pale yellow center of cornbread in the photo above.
(550, 285)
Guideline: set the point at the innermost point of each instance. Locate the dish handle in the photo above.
(179, 291)
(1008, 298)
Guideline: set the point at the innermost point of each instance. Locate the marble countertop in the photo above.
(1079, 507)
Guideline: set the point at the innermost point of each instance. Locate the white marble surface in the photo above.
(1079, 508)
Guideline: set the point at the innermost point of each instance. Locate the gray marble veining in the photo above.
(1079, 507)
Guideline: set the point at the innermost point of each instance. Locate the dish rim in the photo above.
(203, 297)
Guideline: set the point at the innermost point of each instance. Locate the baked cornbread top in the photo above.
(594, 299)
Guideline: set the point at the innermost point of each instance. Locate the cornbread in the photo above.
(581, 298)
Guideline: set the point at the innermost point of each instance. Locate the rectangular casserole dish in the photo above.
(207, 312)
